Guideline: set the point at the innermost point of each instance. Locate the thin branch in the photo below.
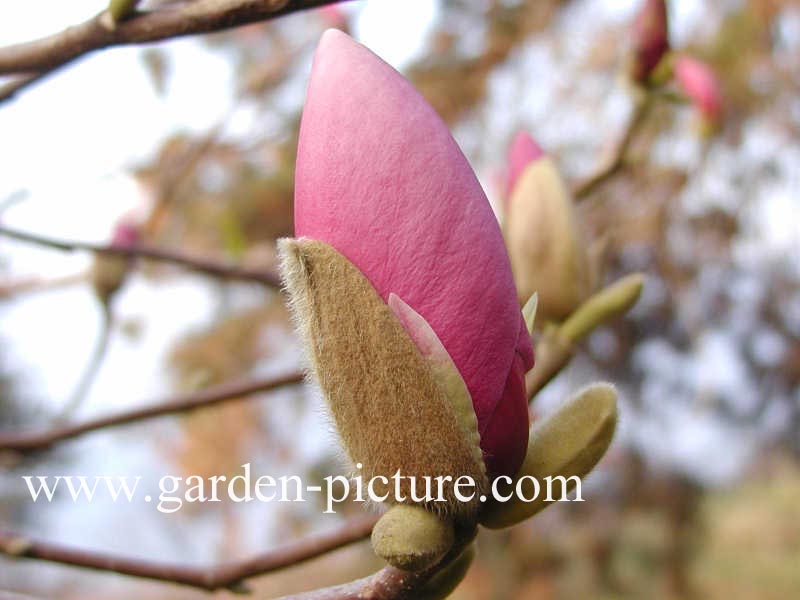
(203, 265)
(642, 102)
(38, 440)
(393, 584)
(558, 342)
(38, 284)
(92, 368)
(17, 84)
(387, 584)
(41, 56)
(229, 575)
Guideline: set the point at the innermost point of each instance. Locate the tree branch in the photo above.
(387, 584)
(642, 101)
(39, 440)
(230, 575)
(202, 265)
(17, 84)
(393, 584)
(558, 342)
(38, 57)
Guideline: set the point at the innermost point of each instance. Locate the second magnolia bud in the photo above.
(547, 250)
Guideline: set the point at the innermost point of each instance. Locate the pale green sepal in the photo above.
(566, 444)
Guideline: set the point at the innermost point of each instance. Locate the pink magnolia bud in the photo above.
(125, 234)
(650, 39)
(380, 179)
(334, 16)
(522, 151)
(698, 81)
(109, 272)
(548, 252)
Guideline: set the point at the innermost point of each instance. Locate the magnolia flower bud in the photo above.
(109, 272)
(381, 181)
(547, 250)
(564, 445)
(411, 538)
(334, 16)
(119, 10)
(698, 81)
(650, 39)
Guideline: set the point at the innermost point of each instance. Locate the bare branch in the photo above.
(17, 84)
(616, 158)
(36, 58)
(393, 584)
(230, 575)
(387, 584)
(29, 285)
(557, 343)
(194, 263)
(38, 440)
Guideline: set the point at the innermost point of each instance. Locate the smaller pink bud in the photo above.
(334, 16)
(650, 39)
(522, 151)
(700, 84)
(125, 234)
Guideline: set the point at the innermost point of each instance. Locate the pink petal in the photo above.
(523, 151)
(700, 83)
(380, 178)
(125, 234)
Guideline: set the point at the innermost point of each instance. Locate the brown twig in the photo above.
(29, 285)
(17, 84)
(38, 440)
(38, 57)
(393, 584)
(203, 265)
(557, 343)
(387, 584)
(642, 101)
(230, 575)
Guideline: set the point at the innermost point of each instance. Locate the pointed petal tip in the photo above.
(522, 151)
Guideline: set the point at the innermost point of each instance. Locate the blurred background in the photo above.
(194, 140)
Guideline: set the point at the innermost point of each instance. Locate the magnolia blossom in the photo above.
(549, 255)
(125, 234)
(108, 272)
(380, 179)
(698, 81)
(650, 38)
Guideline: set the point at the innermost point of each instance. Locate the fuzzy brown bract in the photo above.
(391, 412)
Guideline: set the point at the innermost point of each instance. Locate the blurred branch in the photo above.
(38, 440)
(39, 284)
(203, 265)
(615, 159)
(10, 89)
(230, 575)
(92, 368)
(36, 58)
(393, 584)
(387, 584)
